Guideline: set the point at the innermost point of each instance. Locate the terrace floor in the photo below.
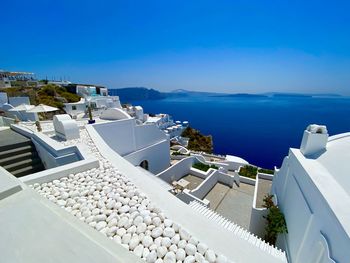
(233, 203)
(264, 187)
(193, 180)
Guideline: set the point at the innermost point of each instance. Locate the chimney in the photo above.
(314, 140)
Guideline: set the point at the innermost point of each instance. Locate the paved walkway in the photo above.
(233, 203)
(193, 180)
(264, 188)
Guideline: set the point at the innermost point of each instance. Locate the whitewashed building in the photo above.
(312, 189)
(142, 145)
(96, 102)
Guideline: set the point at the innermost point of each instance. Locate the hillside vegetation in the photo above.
(49, 94)
(198, 141)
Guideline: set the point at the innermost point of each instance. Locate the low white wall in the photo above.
(247, 180)
(178, 157)
(61, 171)
(233, 166)
(226, 179)
(51, 153)
(4, 121)
(9, 184)
(178, 170)
(257, 220)
(202, 190)
(225, 166)
(187, 197)
(200, 173)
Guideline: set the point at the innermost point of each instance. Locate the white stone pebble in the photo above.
(100, 225)
(109, 202)
(134, 241)
(190, 259)
(170, 257)
(138, 250)
(147, 241)
(169, 232)
(166, 242)
(161, 251)
(156, 232)
(151, 257)
(210, 256)
(180, 254)
(190, 249)
(202, 248)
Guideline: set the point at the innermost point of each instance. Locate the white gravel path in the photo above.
(109, 202)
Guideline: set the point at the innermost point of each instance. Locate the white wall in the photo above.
(3, 98)
(257, 221)
(16, 101)
(156, 155)
(79, 108)
(6, 121)
(178, 170)
(51, 153)
(137, 142)
(203, 189)
(312, 225)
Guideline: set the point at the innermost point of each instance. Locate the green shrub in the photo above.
(266, 171)
(248, 171)
(276, 223)
(203, 167)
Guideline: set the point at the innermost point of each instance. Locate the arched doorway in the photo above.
(144, 164)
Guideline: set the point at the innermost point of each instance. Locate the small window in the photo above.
(74, 107)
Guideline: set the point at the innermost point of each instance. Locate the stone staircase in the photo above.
(238, 231)
(20, 158)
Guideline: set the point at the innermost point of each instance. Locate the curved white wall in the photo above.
(137, 143)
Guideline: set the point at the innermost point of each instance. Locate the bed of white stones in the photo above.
(109, 202)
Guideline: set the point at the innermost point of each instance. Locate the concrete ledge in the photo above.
(33, 229)
(247, 180)
(9, 184)
(61, 171)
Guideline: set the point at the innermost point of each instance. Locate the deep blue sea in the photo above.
(258, 129)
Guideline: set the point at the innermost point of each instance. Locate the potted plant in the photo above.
(91, 120)
(38, 126)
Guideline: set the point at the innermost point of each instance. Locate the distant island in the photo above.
(136, 93)
(240, 95)
(142, 93)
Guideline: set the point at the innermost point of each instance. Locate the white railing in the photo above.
(239, 231)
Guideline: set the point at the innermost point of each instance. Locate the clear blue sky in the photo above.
(223, 46)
